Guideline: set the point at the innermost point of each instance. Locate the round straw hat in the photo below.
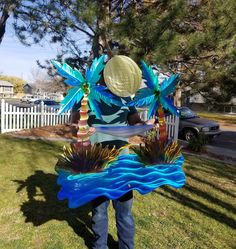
(122, 76)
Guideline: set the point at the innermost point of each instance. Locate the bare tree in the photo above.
(45, 83)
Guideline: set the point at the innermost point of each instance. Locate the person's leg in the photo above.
(124, 221)
(100, 223)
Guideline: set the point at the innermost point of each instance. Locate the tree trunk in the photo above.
(3, 20)
(100, 41)
(177, 96)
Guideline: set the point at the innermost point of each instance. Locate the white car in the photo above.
(27, 98)
(32, 100)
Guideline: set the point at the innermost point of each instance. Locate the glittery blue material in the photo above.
(122, 175)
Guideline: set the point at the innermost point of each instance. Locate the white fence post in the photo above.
(16, 118)
(42, 114)
(172, 124)
(2, 115)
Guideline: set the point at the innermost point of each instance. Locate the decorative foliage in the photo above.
(155, 94)
(73, 76)
(73, 96)
(155, 151)
(86, 160)
(84, 86)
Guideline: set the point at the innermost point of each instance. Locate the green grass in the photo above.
(218, 117)
(200, 215)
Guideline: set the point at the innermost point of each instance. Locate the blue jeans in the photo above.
(124, 223)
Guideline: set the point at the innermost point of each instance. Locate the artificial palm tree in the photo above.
(155, 96)
(84, 90)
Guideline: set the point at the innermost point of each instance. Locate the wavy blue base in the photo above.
(123, 175)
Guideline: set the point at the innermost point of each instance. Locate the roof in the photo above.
(27, 85)
(5, 83)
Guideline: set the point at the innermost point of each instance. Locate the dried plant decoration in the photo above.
(154, 151)
(87, 160)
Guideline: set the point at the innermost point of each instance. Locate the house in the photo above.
(28, 89)
(197, 102)
(6, 89)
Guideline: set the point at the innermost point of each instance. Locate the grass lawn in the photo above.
(200, 215)
(218, 117)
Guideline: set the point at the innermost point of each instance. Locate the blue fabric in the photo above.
(124, 222)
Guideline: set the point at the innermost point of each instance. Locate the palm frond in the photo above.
(150, 77)
(94, 73)
(73, 77)
(144, 92)
(145, 101)
(95, 108)
(74, 96)
(168, 105)
(100, 93)
(168, 85)
(152, 109)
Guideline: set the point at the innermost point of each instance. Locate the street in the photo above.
(227, 139)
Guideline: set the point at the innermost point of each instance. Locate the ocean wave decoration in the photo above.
(122, 175)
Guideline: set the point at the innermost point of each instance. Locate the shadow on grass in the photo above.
(44, 206)
(215, 186)
(185, 200)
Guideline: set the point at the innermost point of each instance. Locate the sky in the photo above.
(19, 60)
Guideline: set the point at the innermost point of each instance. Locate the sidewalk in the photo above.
(214, 152)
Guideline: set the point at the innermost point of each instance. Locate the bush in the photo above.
(198, 144)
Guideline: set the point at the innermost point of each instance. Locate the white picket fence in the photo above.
(17, 118)
(172, 124)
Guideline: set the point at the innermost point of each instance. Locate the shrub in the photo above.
(198, 144)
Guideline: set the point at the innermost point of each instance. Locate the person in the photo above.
(117, 116)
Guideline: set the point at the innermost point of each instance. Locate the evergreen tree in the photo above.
(196, 37)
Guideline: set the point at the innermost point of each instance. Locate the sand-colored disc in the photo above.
(122, 76)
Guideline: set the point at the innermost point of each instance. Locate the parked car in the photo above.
(26, 98)
(190, 125)
(47, 102)
(58, 97)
